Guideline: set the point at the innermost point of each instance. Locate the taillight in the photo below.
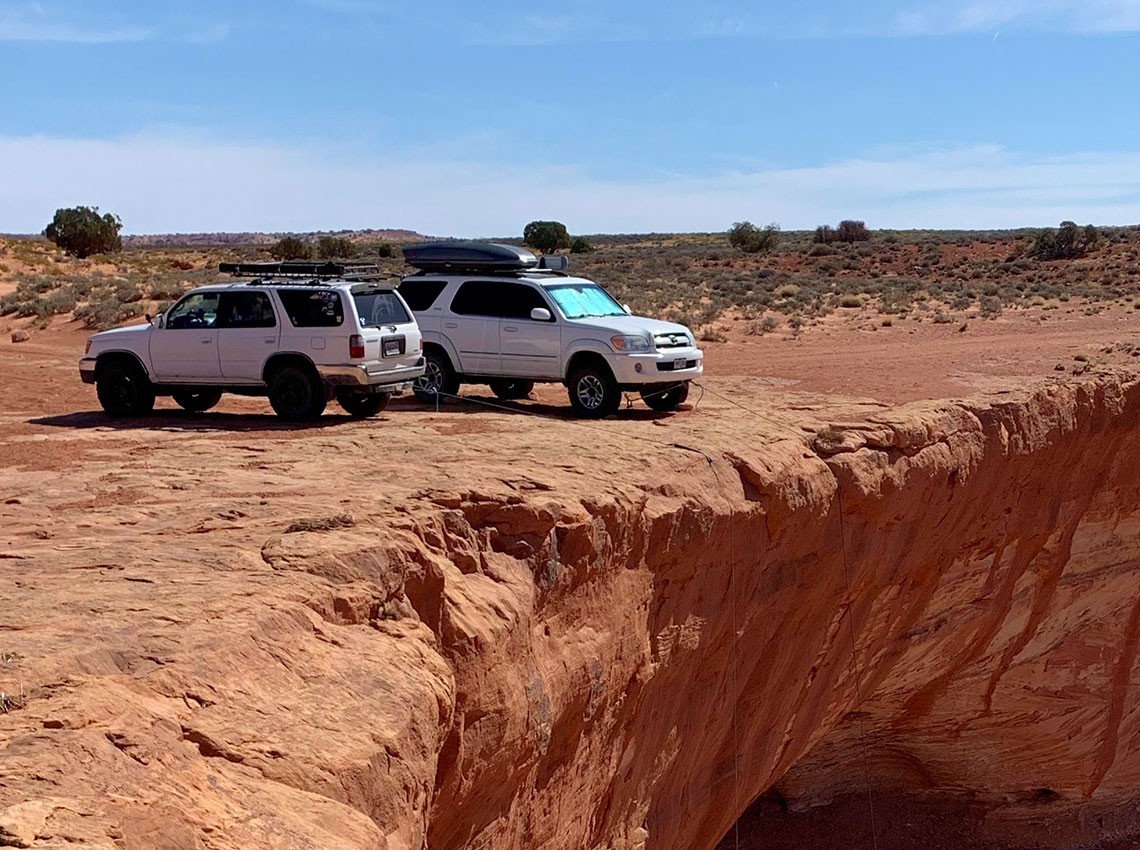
(356, 346)
(421, 343)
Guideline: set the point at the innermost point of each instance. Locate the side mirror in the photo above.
(628, 311)
(540, 314)
(149, 319)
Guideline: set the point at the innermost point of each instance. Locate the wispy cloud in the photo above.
(33, 22)
(1087, 16)
(161, 184)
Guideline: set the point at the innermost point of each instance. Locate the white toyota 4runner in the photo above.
(493, 314)
(297, 332)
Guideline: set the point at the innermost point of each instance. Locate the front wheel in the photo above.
(124, 391)
(665, 398)
(438, 381)
(512, 390)
(196, 401)
(593, 391)
(296, 393)
(360, 404)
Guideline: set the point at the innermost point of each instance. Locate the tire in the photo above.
(439, 379)
(124, 390)
(196, 401)
(512, 390)
(360, 404)
(593, 391)
(664, 397)
(296, 393)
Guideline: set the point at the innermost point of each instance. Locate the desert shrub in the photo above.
(825, 234)
(580, 246)
(851, 301)
(61, 301)
(181, 265)
(106, 313)
(762, 326)
(1066, 243)
(81, 231)
(711, 334)
(788, 290)
(290, 248)
(747, 237)
(165, 288)
(852, 231)
(990, 306)
(820, 250)
(546, 236)
(335, 248)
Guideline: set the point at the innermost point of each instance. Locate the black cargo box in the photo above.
(469, 256)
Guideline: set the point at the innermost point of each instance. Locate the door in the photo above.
(528, 347)
(185, 349)
(473, 327)
(247, 334)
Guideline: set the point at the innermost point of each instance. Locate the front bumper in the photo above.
(371, 376)
(662, 367)
(87, 370)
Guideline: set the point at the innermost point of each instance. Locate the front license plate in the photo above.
(679, 363)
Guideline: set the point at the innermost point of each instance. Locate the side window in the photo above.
(421, 294)
(312, 308)
(197, 310)
(245, 310)
(498, 298)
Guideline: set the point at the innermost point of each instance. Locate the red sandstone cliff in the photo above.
(615, 646)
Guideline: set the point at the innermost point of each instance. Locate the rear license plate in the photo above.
(679, 363)
(393, 346)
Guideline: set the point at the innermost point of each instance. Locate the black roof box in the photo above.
(469, 256)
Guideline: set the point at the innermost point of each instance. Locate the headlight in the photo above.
(87, 350)
(629, 344)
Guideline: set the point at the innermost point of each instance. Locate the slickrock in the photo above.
(537, 634)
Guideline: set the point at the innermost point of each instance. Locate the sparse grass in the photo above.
(328, 523)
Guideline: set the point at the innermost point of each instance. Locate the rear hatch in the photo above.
(390, 333)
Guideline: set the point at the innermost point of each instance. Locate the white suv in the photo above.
(492, 314)
(297, 332)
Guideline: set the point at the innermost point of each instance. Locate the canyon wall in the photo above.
(941, 598)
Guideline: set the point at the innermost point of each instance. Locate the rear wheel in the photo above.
(593, 391)
(438, 380)
(511, 390)
(196, 401)
(362, 404)
(665, 398)
(296, 393)
(124, 390)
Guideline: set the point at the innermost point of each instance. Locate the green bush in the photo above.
(546, 236)
(747, 237)
(291, 248)
(335, 248)
(825, 234)
(1066, 243)
(580, 246)
(81, 231)
(852, 231)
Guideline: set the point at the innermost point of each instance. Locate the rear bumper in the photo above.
(87, 370)
(371, 376)
(659, 367)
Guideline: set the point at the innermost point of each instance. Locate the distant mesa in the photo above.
(179, 240)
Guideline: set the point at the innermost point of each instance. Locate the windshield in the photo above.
(578, 300)
(379, 308)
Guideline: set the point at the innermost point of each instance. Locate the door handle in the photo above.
(270, 340)
(206, 341)
(511, 329)
(451, 324)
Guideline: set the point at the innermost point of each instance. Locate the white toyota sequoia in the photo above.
(299, 333)
(494, 314)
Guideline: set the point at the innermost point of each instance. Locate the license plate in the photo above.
(679, 363)
(391, 347)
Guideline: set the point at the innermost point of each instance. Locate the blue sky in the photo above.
(472, 119)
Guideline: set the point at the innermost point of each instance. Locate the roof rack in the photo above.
(478, 257)
(310, 271)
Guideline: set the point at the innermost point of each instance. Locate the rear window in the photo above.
(312, 308)
(379, 308)
(421, 294)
